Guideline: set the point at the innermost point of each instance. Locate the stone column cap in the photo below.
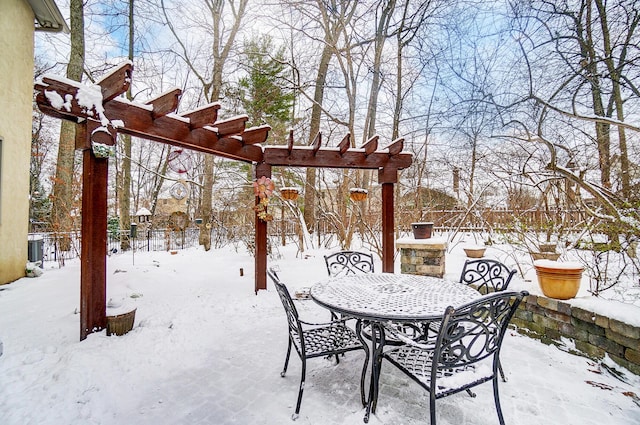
(431, 243)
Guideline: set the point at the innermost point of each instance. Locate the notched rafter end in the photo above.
(255, 135)
(396, 147)
(206, 115)
(371, 145)
(116, 82)
(165, 103)
(344, 144)
(231, 127)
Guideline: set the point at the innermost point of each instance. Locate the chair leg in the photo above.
(302, 378)
(504, 379)
(432, 407)
(496, 397)
(286, 360)
(471, 393)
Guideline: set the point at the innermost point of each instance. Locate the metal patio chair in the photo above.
(345, 263)
(487, 275)
(314, 339)
(465, 353)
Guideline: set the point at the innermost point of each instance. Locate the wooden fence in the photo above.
(481, 220)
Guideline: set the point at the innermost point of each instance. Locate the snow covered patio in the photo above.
(206, 350)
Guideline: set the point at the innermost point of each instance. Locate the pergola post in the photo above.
(388, 177)
(262, 169)
(93, 261)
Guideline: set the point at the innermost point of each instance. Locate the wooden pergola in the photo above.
(101, 113)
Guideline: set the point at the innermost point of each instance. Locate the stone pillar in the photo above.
(422, 256)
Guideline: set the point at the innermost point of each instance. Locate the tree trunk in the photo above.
(211, 87)
(205, 207)
(381, 36)
(125, 165)
(124, 190)
(62, 220)
(314, 128)
(614, 74)
(602, 129)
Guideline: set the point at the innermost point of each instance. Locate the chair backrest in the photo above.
(487, 275)
(345, 263)
(295, 327)
(474, 331)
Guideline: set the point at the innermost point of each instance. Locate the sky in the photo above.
(205, 349)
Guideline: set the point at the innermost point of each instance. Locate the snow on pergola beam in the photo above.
(153, 120)
(200, 129)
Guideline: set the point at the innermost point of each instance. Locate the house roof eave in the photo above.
(48, 16)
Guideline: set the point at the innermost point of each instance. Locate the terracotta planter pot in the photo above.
(474, 252)
(422, 230)
(558, 280)
(544, 256)
(547, 247)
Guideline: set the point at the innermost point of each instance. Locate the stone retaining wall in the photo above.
(594, 335)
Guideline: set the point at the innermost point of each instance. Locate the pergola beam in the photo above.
(301, 156)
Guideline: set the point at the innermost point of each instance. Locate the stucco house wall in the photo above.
(18, 23)
(16, 92)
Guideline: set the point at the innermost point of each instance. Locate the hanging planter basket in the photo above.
(358, 194)
(289, 193)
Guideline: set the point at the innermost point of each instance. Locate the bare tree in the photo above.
(589, 51)
(62, 219)
(208, 68)
(124, 183)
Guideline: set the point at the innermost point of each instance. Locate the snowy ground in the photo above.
(206, 350)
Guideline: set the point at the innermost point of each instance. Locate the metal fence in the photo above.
(64, 246)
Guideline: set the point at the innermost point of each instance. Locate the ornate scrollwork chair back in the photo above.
(488, 275)
(475, 331)
(346, 263)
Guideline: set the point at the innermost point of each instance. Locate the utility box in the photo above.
(35, 250)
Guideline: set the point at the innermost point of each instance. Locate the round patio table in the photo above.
(391, 297)
(377, 298)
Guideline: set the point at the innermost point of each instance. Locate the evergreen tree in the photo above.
(263, 91)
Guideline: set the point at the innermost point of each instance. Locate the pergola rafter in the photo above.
(101, 113)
